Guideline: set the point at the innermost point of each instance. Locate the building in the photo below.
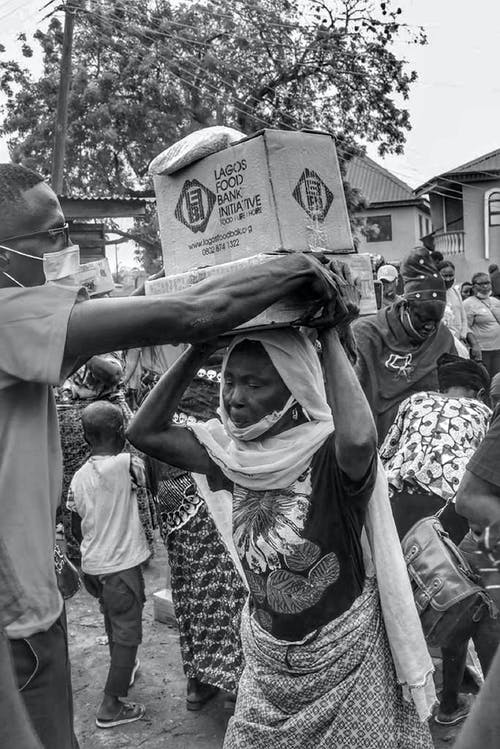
(395, 219)
(465, 213)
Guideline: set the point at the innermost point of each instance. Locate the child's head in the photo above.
(103, 427)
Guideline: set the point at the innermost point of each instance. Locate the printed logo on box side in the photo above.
(195, 205)
(313, 195)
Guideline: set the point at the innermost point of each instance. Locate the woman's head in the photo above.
(271, 379)
(251, 386)
(481, 285)
(447, 272)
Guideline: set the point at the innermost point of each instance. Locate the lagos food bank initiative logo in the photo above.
(195, 205)
(313, 195)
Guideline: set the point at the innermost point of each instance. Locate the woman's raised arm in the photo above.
(356, 435)
(151, 430)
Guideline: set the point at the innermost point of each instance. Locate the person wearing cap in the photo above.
(388, 276)
(425, 454)
(398, 347)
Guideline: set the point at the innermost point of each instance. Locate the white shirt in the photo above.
(103, 494)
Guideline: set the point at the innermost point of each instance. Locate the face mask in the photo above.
(56, 265)
(409, 324)
(254, 431)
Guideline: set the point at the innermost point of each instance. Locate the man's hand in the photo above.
(343, 296)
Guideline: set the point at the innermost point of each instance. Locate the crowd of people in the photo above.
(283, 468)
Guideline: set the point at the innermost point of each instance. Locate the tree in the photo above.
(146, 74)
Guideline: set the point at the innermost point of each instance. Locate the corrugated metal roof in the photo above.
(488, 162)
(146, 197)
(376, 184)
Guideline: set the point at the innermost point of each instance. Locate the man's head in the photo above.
(388, 275)
(492, 268)
(103, 427)
(462, 378)
(29, 209)
(447, 271)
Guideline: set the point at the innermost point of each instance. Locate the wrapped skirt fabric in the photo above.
(337, 688)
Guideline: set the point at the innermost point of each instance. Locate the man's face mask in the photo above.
(56, 265)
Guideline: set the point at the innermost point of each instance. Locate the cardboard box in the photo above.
(274, 190)
(286, 310)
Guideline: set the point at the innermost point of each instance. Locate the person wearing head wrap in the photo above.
(299, 455)
(425, 454)
(398, 347)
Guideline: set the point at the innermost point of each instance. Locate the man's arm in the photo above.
(478, 500)
(356, 436)
(151, 430)
(201, 312)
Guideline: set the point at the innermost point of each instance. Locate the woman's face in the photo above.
(252, 387)
(482, 286)
(424, 317)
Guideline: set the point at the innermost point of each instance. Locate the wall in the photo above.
(405, 232)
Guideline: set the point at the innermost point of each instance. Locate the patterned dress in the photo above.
(207, 591)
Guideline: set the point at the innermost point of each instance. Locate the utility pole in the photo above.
(62, 103)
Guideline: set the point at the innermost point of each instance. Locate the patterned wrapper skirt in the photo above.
(336, 689)
(207, 593)
(75, 452)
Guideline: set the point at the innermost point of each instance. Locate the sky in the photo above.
(454, 106)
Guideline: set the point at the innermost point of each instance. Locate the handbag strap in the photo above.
(442, 509)
(490, 309)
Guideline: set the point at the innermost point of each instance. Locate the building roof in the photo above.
(376, 184)
(482, 168)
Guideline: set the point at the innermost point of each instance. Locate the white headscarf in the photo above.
(274, 462)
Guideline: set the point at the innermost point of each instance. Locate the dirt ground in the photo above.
(160, 683)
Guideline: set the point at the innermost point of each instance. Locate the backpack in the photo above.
(447, 592)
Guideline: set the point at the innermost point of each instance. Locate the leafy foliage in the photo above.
(146, 74)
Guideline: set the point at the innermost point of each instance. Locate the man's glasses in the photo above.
(482, 283)
(53, 234)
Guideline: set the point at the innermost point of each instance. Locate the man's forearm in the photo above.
(203, 311)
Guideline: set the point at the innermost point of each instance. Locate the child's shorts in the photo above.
(121, 596)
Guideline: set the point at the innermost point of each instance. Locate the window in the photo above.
(378, 228)
(427, 226)
(420, 226)
(494, 208)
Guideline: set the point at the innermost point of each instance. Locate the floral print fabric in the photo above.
(300, 546)
(431, 441)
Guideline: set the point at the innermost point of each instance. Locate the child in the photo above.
(114, 547)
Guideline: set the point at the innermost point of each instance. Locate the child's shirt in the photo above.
(103, 494)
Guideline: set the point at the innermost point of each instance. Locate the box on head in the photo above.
(275, 190)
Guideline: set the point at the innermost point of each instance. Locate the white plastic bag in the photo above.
(193, 147)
